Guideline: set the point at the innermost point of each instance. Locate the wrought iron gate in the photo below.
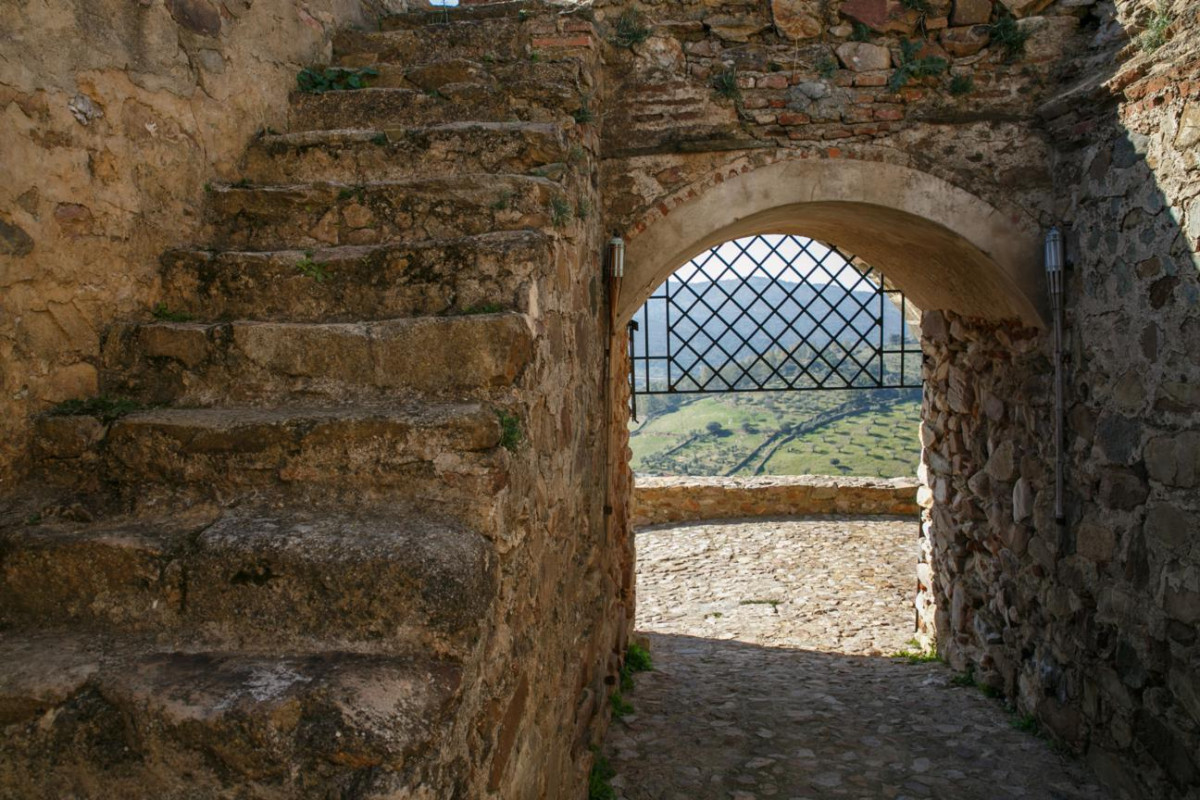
(769, 313)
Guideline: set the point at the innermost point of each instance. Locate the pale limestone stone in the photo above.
(864, 57)
(797, 19)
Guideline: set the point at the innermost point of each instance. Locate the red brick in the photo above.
(554, 42)
(870, 79)
(890, 113)
(791, 118)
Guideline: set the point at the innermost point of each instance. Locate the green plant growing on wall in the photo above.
(161, 312)
(921, 6)
(599, 786)
(560, 212)
(861, 33)
(503, 200)
(583, 209)
(584, 114)
(379, 139)
(827, 67)
(630, 29)
(317, 80)
(1155, 34)
(106, 408)
(312, 269)
(482, 308)
(913, 67)
(620, 706)
(961, 85)
(725, 83)
(510, 430)
(1008, 35)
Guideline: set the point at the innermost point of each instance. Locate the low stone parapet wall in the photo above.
(658, 500)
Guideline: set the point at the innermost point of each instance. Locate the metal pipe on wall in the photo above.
(1054, 279)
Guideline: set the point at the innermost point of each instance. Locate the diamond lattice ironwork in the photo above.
(768, 313)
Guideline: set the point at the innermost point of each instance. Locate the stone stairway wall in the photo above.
(349, 536)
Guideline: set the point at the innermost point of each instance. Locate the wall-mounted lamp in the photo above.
(1055, 262)
(1054, 266)
(616, 256)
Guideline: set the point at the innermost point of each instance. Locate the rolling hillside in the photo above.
(779, 433)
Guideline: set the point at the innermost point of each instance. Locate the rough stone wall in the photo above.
(811, 91)
(1092, 627)
(114, 115)
(659, 500)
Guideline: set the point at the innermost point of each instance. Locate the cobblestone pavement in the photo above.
(770, 641)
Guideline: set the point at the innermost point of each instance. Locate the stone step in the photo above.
(358, 156)
(515, 9)
(445, 74)
(313, 215)
(462, 274)
(394, 581)
(525, 101)
(125, 718)
(488, 41)
(240, 363)
(448, 457)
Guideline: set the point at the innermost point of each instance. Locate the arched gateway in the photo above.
(946, 248)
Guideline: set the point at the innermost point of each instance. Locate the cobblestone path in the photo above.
(770, 642)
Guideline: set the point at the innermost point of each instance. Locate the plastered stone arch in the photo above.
(943, 246)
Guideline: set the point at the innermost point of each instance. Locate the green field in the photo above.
(778, 433)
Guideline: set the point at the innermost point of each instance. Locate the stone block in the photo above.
(1025, 8)
(797, 19)
(1174, 460)
(864, 57)
(971, 12)
(965, 41)
(1095, 541)
(1002, 464)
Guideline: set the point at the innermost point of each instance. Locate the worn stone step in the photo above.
(462, 274)
(482, 41)
(444, 74)
(395, 581)
(417, 19)
(240, 363)
(525, 101)
(127, 719)
(359, 156)
(312, 215)
(446, 456)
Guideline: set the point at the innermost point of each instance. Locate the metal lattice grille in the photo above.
(767, 313)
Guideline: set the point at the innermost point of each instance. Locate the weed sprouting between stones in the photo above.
(913, 67)
(164, 314)
(312, 269)
(482, 308)
(961, 85)
(560, 212)
(1008, 35)
(510, 430)
(317, 80)
(584, 114)
(1155, 34)
(630, 29)
(916, 654)
(104, 407)
(725, 84)
(620, 706)
(599, 786)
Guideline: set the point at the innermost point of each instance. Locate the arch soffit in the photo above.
(943, 246)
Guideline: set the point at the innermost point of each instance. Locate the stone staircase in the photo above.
(274, 576)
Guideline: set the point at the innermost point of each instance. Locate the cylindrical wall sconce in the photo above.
(616, 256)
